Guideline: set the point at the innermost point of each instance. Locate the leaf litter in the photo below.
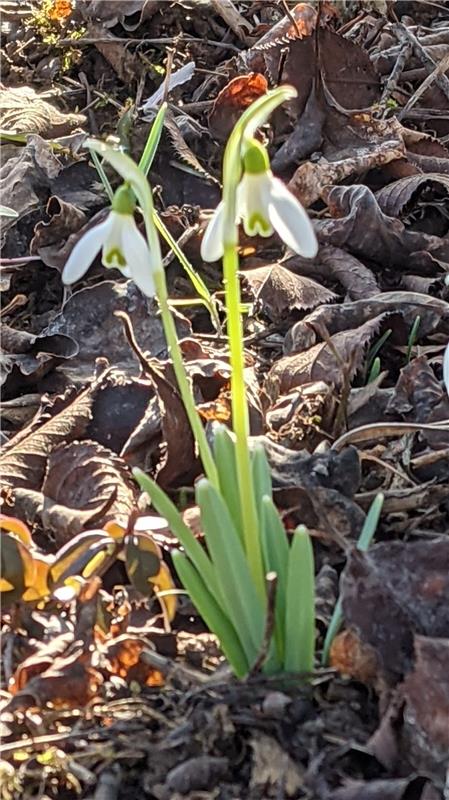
(109, 679)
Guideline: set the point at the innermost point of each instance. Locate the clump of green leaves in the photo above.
(248, 621)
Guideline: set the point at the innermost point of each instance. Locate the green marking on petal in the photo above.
(114, 258)
(255, 158)
(256, 223)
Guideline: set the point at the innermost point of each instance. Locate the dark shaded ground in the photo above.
(100, 697)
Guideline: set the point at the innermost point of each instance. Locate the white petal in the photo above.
(84, 252)
(291, 221)
(253, 198)
(446, 368)
(212, 243)
(113, 255)
(139, 259)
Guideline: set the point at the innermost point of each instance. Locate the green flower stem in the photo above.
(183, 382)
(196, 280)
(240, 418)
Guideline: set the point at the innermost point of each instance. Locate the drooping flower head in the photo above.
(262, 203)
(123, 246)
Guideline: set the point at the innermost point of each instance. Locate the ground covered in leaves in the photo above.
(103, 696)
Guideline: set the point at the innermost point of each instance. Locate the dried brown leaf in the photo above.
(280, 292)
(357, 280)
(360, 226)
(86, 476)
(394, 591)
(319, 363)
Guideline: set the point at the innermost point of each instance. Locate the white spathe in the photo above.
(264, 205)
(123, 247)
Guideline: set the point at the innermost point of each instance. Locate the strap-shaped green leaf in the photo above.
(261, 475)
(224, 452)
(276, 552)
(212, 614)
(300, 611)
(243, 605)
(167, 509)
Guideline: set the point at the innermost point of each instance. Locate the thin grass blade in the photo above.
(153, 140)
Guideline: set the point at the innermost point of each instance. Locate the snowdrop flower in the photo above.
(446, 369)
(123, 247)
(264, 204)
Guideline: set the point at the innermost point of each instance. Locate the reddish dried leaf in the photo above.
(233, 99)
(352, 658)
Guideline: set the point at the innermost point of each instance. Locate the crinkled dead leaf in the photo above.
(310, 179)
(414, 193)
(23, 110)
(294, 54)
(325, 362)
(360, 226)
(426, 713)
(25, 354)
(24, 460)
(50, 238)
(332, 263)
(85, 476)
(433, 313)
(279, 292)
(88, 318)
(393, 592)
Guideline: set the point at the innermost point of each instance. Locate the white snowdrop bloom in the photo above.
(263, 205)
(446, 368)
(122, 245)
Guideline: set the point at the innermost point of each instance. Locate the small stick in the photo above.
(405, 35)
(392, 82)
(271, 579)
(438, 71)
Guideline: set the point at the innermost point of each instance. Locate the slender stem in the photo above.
(196, 280)
(102, 175)
(240, 418)
(183, 383)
